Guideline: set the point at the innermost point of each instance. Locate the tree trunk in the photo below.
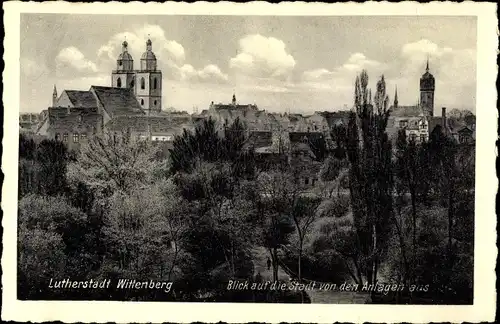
(300, 268)
(373, 274)
(300, 261)
(414, 223)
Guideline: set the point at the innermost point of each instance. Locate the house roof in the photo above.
(465, 129)
(304, 137)
(118, 101)
(83, 99)
(143, 123)
(406, 111)
(260, 139)
(234, 107)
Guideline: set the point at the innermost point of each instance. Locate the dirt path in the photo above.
(317, 296)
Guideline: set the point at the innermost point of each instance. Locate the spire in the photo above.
(124, 46)
(54, 96)
(234, 99)
(149, 44)
(427, 67)
(396, 97)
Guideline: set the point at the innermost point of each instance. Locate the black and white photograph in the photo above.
(247, 159)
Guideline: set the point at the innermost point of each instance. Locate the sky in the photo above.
(281, 63)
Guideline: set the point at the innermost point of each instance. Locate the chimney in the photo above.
(443, 118)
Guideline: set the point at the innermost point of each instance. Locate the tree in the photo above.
(304, 213)
(339, 135)
(319, 148)
(42, 167)
(370, 174)
(190, 149)
(220, 229)
(408, 173)
(277, 194)
(114, 162)
(52, 244)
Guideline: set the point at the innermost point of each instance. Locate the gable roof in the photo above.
(84, 99)
(117, 101)
(465, 129)
(260, 139)
(304, 137)
(144, 123)
(406, 111)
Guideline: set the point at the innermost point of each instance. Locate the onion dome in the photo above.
(148, 58)
(125, 55)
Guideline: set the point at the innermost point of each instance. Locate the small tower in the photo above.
(148, 59)
(396, 98)
(234, 99)
(54, 96)
(427, 87)
(148, 87)
(123, 76)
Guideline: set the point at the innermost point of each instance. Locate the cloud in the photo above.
(342, 77)
(165, 49)
(421, 49)
(358, 62)
(210, 73)
(453, 69)
(170, 54)
(72, 57)
(317, 74)
(262, 57)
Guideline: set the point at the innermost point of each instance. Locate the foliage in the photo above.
(42, 167)
(114, 162)
(52, 243)
(370, 176)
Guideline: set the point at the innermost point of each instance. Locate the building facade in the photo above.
(146, 82)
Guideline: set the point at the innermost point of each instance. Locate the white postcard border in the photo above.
(486, 181)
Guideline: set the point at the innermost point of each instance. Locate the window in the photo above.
(143, 83)
(132, 83)
(413, 137)
(422, 138)
(119, 83)
(120, 63)
(58, 137)
(142, 102)
(306, 181)
(155, 83)
(83, 136)
(403, 123)
(65, 137)
(75, 138)
(79, 118)
(155, 102)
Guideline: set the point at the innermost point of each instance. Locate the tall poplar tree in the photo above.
(370, 174)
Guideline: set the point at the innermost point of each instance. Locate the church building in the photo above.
(133, 104)
(146, 82)
(418, 120)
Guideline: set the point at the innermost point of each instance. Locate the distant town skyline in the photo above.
(281, 63)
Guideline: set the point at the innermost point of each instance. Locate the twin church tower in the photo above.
(145, 82)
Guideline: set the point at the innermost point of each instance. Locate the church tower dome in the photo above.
(148, 58)
(125, 61)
